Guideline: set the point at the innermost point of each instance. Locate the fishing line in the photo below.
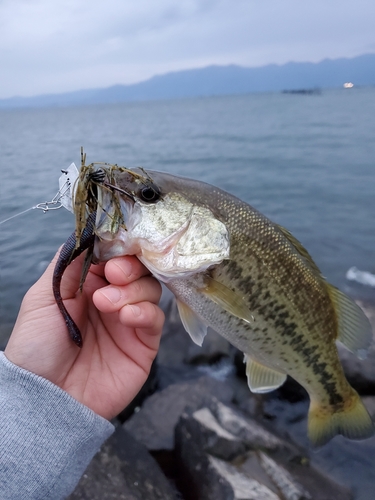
(16, 215)
(46, 206)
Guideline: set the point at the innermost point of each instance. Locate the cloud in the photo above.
(67, 45)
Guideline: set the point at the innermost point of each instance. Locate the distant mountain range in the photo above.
(217, 80)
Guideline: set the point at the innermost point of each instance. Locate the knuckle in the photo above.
(137, 287)
(154, 316)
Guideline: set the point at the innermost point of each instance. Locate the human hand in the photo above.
(120, 324)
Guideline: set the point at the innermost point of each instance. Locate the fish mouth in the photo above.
(113, 221)
(119, 190)
(112, 192)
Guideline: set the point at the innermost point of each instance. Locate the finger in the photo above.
(112, 298)
(143, 315)
(147, 320)
(98, 269)
(123, 270)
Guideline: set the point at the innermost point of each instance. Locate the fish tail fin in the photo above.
(352, 420)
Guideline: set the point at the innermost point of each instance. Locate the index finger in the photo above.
(124, 270)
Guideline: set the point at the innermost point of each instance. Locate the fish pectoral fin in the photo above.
(262, 379)
(192, 323)
(229, 300)
(354, 328)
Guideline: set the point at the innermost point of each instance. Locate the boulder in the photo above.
(149, 387)
(344, 461)
(218, 464)
(218, 441)
(250, 432)
(169, 375)
(209, 436)
(205, 477)
(123, 469)
(154, 424)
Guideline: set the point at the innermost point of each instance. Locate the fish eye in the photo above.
(149, 194)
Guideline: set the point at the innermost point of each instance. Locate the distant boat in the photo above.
(348, 85)
(315, 91)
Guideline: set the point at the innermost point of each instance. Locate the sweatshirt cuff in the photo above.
(47, 437)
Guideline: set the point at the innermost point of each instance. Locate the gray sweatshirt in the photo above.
(47, 438)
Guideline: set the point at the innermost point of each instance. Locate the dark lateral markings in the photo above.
(289, 330)
(272, 312)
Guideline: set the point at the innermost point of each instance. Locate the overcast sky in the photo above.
(52, 46)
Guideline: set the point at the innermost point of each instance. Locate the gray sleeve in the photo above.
(47, 438)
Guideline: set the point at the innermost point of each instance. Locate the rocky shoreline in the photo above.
(196, 432)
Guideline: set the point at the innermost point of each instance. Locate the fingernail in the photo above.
(126, 268)
(113, 294)
(135, 309)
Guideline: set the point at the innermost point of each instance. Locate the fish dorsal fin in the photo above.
(300, 249)
(262, 379)
(354, 328)
(192, 323)
(229, 300)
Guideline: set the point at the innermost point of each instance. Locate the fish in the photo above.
(249, 279)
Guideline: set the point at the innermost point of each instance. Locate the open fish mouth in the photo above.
(109, 191)
(96, 190)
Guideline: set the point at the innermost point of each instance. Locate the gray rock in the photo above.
(343, 461)
(211, 437)
(293, 479)
(241, 486)
(286, 484)
(169, 375)
(154, 424)
(250, 473)
(147, 389)
(123, 469)
(253, 434)
(208, 477)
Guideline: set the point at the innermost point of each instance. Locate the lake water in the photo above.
(306, 161)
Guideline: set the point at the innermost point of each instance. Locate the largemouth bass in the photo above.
(232, 269)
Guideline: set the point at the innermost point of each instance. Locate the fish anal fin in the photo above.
(262, 379)
(227, 299)
(352, 421)
(354, 328)
(192, 323)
